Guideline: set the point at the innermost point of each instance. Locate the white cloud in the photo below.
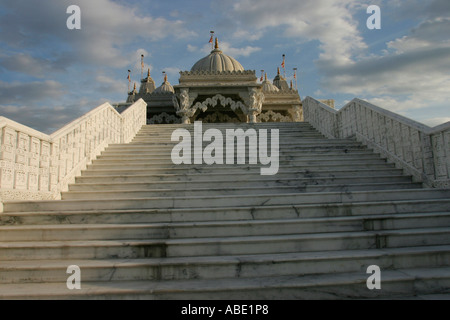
(107, 27)
(328, 21)
(432, 122)
(414, 73)
(172, 72)
(29, 92)
(192, 48)
(237, 52)
(245, 35)
(226, 48)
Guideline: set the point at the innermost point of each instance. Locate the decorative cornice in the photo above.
(215, 73)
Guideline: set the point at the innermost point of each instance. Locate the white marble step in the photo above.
(297, 144)
(284, 138)
(225, 200)
(239, 176)
(218, 246)
(231, 228)
(164, 163)
(182, 185)
(244, 266)
(214, 191)
(130, 216)
(304, 150)
(224, 126)
(231, 169)
(284, 155)
(401, 282)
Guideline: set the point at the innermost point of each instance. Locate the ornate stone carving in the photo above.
(256, 99)
(164, 118)
(271, 116)
(219, 117)
(212, 102)
(183, 107)
(296, 113)
(412, 146)
(41, 166)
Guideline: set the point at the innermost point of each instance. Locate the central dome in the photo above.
(217, 61)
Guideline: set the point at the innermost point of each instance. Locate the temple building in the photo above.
(218, 89)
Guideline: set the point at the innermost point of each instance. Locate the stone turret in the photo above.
(147, 85)
(280, 82)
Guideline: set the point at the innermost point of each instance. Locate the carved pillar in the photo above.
(296, 113)
(183, 107)
(256, 99)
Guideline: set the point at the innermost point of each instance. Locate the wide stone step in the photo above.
(103, 164)
(282, 132)
(222, 201)
(232, 228)
(299, 143)
(244, 266)
(142, 194)
(283, 137)
(239, 176)
(182, 185)
(399, 283)
(286, 154)
(158, 151)
(190, 247)
(132, 216)
(223, 126)
(221, 169)
(307, 242)
(395, 283)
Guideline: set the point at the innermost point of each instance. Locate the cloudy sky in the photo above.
(50, 75)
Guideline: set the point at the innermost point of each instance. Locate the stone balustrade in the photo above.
(37, 166)
(421, 151)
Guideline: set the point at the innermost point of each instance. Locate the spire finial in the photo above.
(165, 77)
(134, 89)
(278, 70)
(217, 44)
(148, 73)
(265, 77)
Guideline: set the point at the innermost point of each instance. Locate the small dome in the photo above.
(217, 61)
(166, 87)
(268, 87)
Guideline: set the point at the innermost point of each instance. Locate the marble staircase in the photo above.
(140, 227)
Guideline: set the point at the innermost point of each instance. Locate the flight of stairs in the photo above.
(140, 227)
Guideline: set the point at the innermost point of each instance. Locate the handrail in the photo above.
(421, 151)
(37, 166)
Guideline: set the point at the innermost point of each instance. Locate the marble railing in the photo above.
(419, 150)
(37, 166)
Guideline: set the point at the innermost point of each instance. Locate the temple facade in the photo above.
(218, 89)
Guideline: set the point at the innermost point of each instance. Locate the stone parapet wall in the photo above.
(421, 151)
(37, 166)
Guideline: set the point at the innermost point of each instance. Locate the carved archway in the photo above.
(219, 109)
(218, 100)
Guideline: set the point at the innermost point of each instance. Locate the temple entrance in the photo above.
(219, 115)
(218, 109)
